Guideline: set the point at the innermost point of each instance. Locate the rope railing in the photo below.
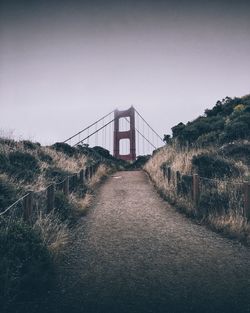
(31, 200)
(205, 194)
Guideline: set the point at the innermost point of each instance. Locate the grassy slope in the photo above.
(216, 147)
(29, 252)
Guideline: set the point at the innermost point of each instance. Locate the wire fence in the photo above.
(33, 204)
(207, 195)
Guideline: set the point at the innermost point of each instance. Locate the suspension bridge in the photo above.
(126, 134)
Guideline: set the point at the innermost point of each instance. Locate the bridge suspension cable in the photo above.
(95, 132)
(102, 132)
(149, 126)
(147, 138)
(143, 135)
(86, 128)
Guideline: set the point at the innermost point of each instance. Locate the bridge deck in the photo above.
(135, 253)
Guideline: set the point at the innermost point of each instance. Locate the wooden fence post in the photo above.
(164, 171)
(196, 189)
(90, 172)
(74, 181)
(169, 174)
(28, 206)
(50, 198)
(87, 173)
(82, 177)
(178, 181)
(96, 167)
(247, 199)
(66, 186)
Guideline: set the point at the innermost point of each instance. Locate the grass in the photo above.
(32, 251)
(54, 234)
(26, 268)
(221, 200)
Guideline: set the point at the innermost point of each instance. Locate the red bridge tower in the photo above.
(130, 134)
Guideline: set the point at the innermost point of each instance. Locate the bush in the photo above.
(214, 166)
(186, 184)
(8, 194)
(23, 166)
(65, 148)
(237, 151)
(4, 162)
(213, 202)
(208, 139)
(140, 161)
(102, 152)
(44, 157)
(55, 174)
(62, 206)
(25, 265)
(236, 130)
(30, 145)
(177, 129)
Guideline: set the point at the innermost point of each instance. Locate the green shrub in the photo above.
(213, 202)
(208, 139)
(140, 161)
(102, 152)
(4, 162)
(55, 174)
(214, 166)
(62, 206)
(44, 157)
(30, 145)
(230, 118)
(8, 142)
(236, 130)
(25, 265)
(23, 166)
(65, 148)
(177, 130)
(186, 184)
(8, 194)
(237, 151)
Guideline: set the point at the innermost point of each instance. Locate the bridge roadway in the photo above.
(134, 253)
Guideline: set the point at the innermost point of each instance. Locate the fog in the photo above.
(64, 64)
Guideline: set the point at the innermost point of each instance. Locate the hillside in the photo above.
(30, 249)
(227, 121)
(216, 146)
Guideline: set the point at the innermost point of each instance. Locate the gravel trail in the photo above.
(134, 253)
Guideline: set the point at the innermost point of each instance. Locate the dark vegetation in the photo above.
(140, 161)
(214, 166)
(219, 145)
(227, 121)
(225, 130)
(26, 269)
(8, 193)
(26, 265)
(20, 165)
(63, 208)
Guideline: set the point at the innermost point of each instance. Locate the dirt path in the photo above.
(136, 254)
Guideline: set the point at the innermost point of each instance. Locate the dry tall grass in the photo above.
(82, 204)
(55, 234)
(231, 221)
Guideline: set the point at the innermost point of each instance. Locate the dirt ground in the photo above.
(134, 253)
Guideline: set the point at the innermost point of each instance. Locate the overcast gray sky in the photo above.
(64, 64)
